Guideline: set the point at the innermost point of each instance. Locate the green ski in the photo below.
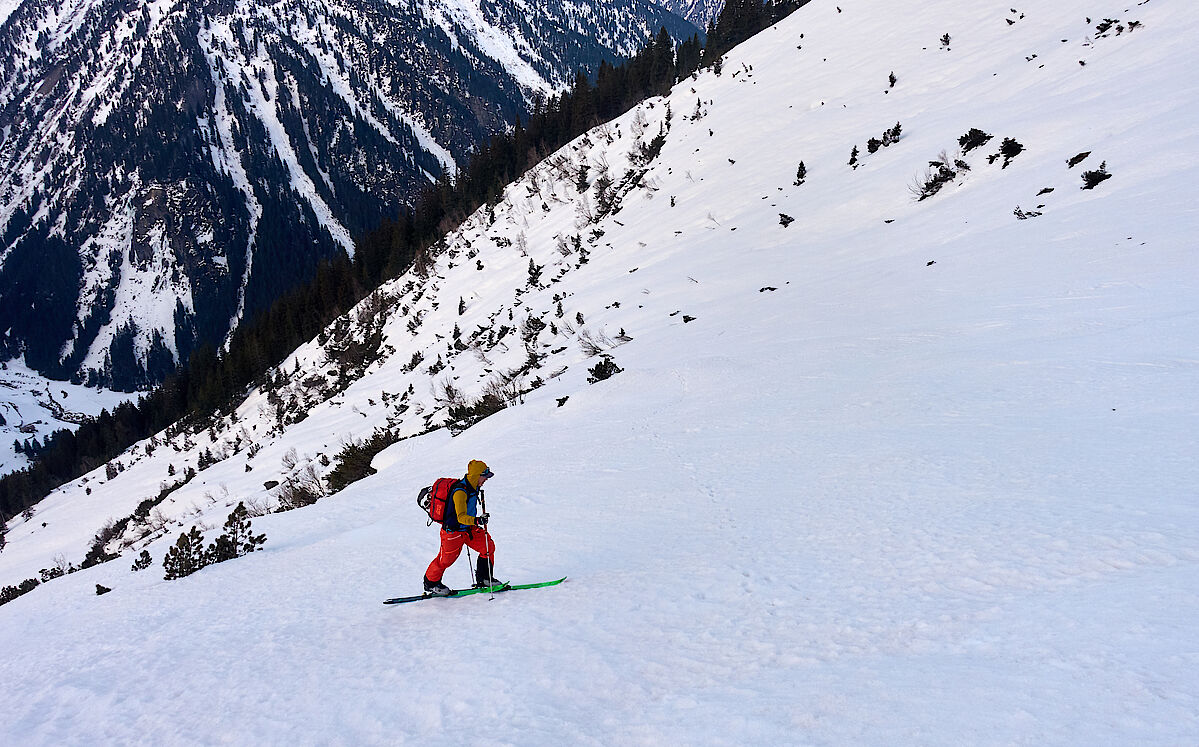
(465, 592)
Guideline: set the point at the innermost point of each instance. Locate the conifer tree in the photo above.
(142, 562)
(186, 557)
(238, 538)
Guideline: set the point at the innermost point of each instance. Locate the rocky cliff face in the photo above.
(699, 12)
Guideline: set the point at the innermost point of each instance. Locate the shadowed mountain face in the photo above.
(168, 168)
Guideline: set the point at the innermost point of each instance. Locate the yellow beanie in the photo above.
(475, 470)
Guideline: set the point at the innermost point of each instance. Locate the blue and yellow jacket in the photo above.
(464, 497)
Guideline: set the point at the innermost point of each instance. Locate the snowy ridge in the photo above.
(891, 471)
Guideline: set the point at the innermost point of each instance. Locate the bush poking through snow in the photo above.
(1091, 179)
(974, 138)
(1077, 159)
(9, 593)
(238, 538)
(605, 369)
(1007, 151)
(142, 562)
(189, 555)
(97, 553)
(300, 489)
(939, 173)
(463, 416)
(354, 460)
(186, 556)
(890, 137)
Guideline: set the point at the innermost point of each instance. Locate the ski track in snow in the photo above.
(929, 481)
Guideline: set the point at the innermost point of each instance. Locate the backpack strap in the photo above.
(450, 521)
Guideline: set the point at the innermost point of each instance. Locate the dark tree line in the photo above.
(213, 381)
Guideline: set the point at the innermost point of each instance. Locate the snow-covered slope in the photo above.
(897, 472)
(31, 409)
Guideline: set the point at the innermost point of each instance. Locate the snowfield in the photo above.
(899, 472)
(33, 407)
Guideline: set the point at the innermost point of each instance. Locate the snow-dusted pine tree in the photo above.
(186, 557)
(238, 538)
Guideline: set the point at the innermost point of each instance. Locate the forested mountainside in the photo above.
(211, 381)
(168, 168)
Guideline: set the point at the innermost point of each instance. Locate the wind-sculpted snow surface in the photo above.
(902, 471)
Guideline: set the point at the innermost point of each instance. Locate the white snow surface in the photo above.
(898, 473)
(7, 7)
(35, 407)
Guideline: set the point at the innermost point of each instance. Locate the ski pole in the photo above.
(486, 539)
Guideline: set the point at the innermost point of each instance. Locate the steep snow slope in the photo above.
(898, 472)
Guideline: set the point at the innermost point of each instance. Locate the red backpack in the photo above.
(435, 498)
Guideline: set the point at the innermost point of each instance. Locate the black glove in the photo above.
(481, 521)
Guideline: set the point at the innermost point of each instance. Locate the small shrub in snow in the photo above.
(186, 556)
(800, 174)
(1077, 159)
(1091, 179)
(974, 138)
(238, 538)
(463, 416)
(891, 136)
(785, 220)
(49, 574)
(939, 173)
(593, 345)
(301, 489)
(189, 555)
(96, 553)
(650, 150)
(354, 460)
(1008, 150)
(416, 360)
(605, 369)
(9, 593)
(535, 273)
(142, 562)
(102, 589)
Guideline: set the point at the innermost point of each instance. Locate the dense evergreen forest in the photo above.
(212, 380)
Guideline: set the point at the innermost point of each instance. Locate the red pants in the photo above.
(451, 548)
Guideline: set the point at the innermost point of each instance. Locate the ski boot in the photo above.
(437, 589)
